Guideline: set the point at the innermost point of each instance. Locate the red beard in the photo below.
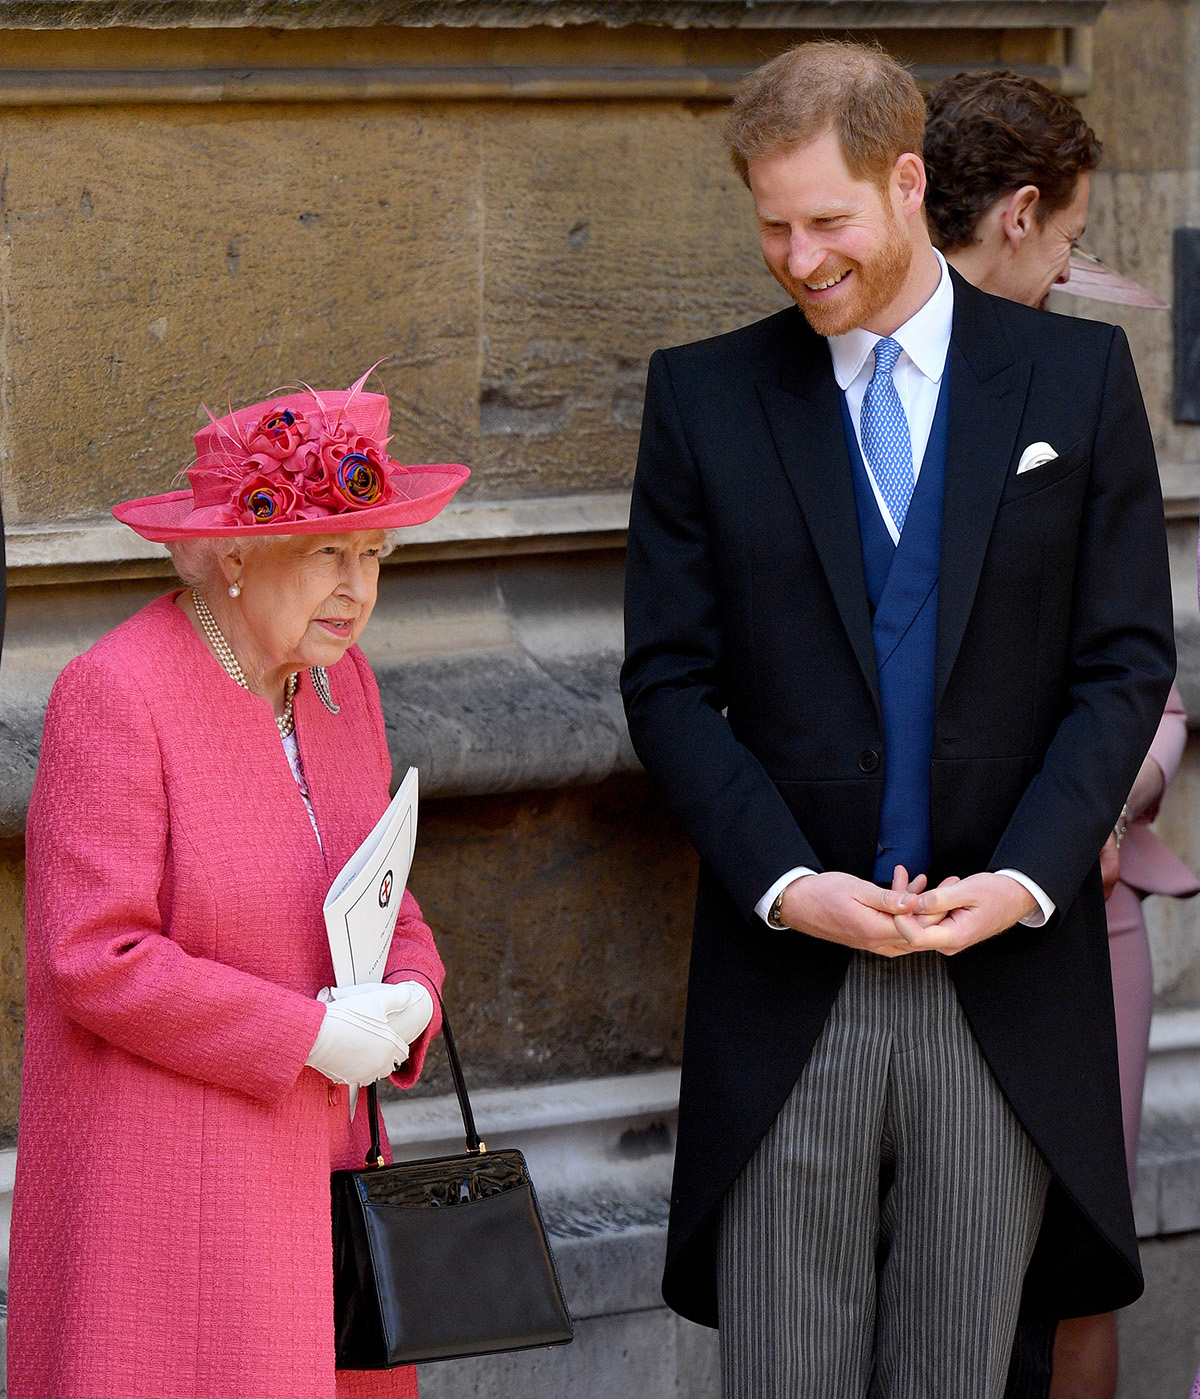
(875, 282)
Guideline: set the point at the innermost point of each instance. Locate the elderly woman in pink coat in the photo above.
(207, 768)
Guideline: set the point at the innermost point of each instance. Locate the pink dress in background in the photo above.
(1148, 866)
(171, 1221)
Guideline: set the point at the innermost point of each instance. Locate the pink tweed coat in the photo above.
(171, 1230)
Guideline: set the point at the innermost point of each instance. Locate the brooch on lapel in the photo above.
(320, 680)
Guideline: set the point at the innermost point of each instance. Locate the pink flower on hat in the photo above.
(361, 480)
(278, 434)
(266, 498)
(350, 473)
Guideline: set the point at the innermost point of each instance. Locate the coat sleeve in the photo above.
(1122, 653)
(413, 957)
(673, 680)
(97, 840)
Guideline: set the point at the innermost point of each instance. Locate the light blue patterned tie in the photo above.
(887, 445)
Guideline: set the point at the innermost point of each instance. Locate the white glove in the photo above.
(355, 1044)
(407, 1005)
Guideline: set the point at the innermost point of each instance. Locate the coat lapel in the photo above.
(326, 753)
(804, 415)
(988, 387)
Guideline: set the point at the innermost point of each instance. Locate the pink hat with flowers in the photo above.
(302, 463)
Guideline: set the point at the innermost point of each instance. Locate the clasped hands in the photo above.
(368, 1029)
(908, 917)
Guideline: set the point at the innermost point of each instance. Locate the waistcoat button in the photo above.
(868, 760)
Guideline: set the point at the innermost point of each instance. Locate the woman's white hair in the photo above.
(198, 561)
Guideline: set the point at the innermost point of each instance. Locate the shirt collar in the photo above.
(924, 337)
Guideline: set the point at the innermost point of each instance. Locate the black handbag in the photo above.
(441, 1259)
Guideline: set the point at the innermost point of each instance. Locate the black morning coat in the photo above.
(752, 699)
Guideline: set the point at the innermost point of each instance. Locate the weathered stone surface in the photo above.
(866, 14)
(519, 690)
(519, 261)
(652, 1354)
(564, 920)
(1142, 99)
(12, 983)
(1181, 545)
(497, 723)
(1143, 103)
(603, 49)
(607, 239)
(518, 294)
(272, 260)
(1167, 1200)
(606, 1272)
(1160, 1333)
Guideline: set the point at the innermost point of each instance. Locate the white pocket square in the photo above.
(1035, 455)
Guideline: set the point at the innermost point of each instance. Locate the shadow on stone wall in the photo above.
(564, 919)
(12, 984)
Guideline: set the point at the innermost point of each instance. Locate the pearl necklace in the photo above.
(285, 722)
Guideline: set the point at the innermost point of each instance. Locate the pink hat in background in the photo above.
(1096, 281)
(300, 463)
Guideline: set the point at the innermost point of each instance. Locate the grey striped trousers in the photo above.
(875, 1245)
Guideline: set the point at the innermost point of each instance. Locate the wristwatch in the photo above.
(773, 918)
(1119, 830)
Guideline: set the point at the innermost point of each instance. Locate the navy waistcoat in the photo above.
(902, 588)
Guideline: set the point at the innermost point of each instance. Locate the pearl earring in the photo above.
(235, 590)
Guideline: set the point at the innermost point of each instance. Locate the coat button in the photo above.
(868, 760)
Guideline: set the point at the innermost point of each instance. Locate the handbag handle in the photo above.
(475, 1147)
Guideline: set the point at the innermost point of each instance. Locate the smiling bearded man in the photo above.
(842, 292)
(899, 633)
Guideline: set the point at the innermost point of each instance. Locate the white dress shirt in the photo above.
(925, 341)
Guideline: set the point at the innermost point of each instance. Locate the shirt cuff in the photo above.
(763, 906)
(1045, 909)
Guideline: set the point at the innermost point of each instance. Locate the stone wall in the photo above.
(507, 260)
(516, 261)
(564, 919)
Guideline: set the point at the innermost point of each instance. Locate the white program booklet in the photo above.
(364, 900)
